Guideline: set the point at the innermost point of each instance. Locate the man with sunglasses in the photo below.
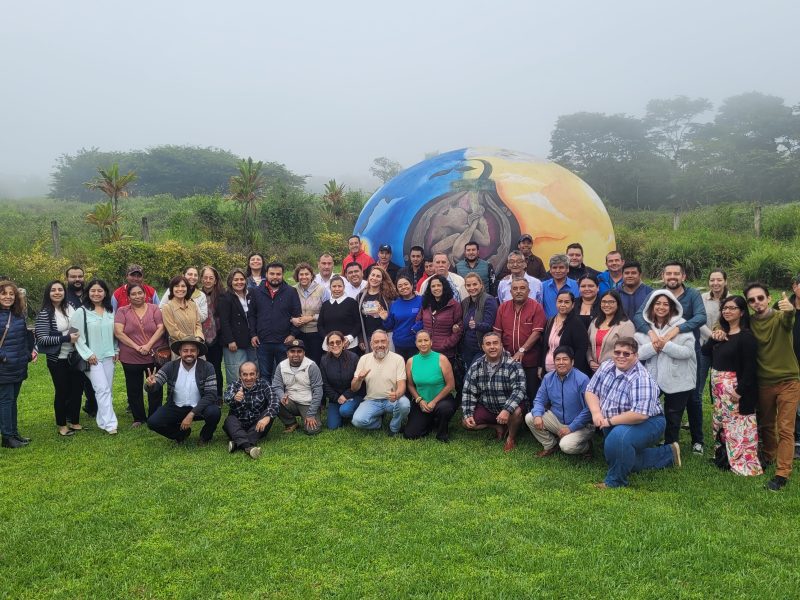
(778, 379)
(623, 400)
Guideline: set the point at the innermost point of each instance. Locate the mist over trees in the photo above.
(672, 157)
(177, 170)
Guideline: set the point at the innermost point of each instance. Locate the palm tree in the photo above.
(106, 219)
(334, 200)
(112, 184)
(247, 188)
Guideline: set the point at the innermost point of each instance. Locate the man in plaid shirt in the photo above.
(623, 400)
(253, 407)
(494, 389)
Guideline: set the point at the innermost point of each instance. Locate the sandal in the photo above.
(291, 428)
(75, 427)
(66, 433)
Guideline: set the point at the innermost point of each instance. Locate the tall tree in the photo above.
(385, 168)
(112, 184)
(671, 122)
(248, 188)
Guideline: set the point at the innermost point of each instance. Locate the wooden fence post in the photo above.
(56, 238)
(676, 220)
(145, 230)
(757, 220)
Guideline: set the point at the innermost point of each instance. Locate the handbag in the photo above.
(74, 359)
(161, 355)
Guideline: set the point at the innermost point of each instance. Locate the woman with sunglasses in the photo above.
(734, 388)
(673, 365)
(609, 326)
(338, 368)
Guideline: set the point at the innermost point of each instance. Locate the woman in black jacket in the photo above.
(56, 341)
(565, 328)
(734, 389)
(338, 367)
(234, 333)
(340, 313)
(16, 347)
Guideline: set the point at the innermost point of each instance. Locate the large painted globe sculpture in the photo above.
(490, 196)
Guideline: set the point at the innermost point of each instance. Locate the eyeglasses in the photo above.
(622, 353)
(724, 308)
(335, 343)
(754, 299)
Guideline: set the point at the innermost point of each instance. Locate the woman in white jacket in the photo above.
(674, 364)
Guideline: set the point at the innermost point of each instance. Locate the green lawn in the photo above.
(353, 514)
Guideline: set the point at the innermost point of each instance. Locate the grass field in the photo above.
(353, 514)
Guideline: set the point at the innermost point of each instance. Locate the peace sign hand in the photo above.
(151, 377)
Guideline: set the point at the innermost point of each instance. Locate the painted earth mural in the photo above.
(490, 196)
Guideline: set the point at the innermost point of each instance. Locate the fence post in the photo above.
(757, 220)
(145, 230)
(56, 238)
(676, 220)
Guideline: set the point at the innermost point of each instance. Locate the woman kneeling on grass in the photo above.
(55, 339)
(338, 367)
(16, 347)
(734, 389)
(430, 381)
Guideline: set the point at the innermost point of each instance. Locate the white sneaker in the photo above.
(254, 452)
(697, 448)
(231, 447)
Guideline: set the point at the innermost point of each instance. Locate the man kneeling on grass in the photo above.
(253, 407)
(191, 393)
(385, 375)
(494, 390)
(623, 400)
(560, 417)
(298, 383)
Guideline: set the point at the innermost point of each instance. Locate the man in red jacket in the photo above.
(134, 274)
(520, 322)
(357, 254)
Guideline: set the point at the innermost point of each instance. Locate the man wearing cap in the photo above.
(385, 262)
(191, 393)
(298, 383)
(560, 419)
(357, 254)
(473, 263)
(253, 408)
(134, 274)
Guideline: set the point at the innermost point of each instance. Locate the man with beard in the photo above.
(75, 280)
(253, 407)
(384, 373)
(298, 383)
(473, 263)
(694, 312)
(271, 309)
(414, 271)
(191, 393)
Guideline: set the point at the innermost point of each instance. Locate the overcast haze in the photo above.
(326, 87)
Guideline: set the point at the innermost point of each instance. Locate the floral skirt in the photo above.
(738, 432)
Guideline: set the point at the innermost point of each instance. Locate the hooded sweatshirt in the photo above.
(675, 367)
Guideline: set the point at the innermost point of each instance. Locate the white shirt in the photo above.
(351, 291)
(186, 392)
(243, 302)
(326, 282)
(534, 288)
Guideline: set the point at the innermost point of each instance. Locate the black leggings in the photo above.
(134, 382)
(214, 358)
(421, 423)
(68, 385)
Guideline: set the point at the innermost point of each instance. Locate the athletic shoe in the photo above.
(697, 448)
(231, 447)
(776, 484)
(254, 452)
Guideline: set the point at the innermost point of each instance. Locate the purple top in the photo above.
(140, 331)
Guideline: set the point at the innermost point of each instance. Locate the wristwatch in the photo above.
(522, 349)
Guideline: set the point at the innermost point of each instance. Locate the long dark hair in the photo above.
(673, 308)
(19, 307)
(428, 301)
(570, 314)
(175, 281)
(619, 315)
(263, 265)
(741, 304)
(229, 281)
(87, 303)
(47, 303)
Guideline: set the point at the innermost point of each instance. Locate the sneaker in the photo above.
(685, 425)
(697, 448)
(776, 484)
(797, 452)
(676, 454)
(254, 452)
(231, 447)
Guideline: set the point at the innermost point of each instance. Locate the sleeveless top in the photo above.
(427, 375)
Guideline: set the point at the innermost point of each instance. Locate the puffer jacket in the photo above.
(16, 351)
(675, 367)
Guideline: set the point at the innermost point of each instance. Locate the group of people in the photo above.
(568, 351)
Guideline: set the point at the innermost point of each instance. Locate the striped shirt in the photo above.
(621, 391)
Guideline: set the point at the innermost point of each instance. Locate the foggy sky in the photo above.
(325, 87)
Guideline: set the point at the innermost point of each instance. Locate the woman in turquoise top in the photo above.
(97, 346)
(429, 377)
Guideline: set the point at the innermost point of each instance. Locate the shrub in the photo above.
(780, 222)
(771, 263)
(32, 270)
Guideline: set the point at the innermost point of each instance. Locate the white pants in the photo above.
(102, 377)
(576, 442)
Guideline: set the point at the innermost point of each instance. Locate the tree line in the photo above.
(671, 157)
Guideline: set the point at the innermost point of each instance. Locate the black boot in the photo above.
(12, 442)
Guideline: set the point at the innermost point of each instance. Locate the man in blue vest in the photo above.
(473, 263)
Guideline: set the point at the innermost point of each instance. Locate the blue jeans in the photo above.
(8, 408)
(338, 412)
(269, 355)
(628, 450)
(234, 360)
(369, 414)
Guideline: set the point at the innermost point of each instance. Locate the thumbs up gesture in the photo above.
(784, 304)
